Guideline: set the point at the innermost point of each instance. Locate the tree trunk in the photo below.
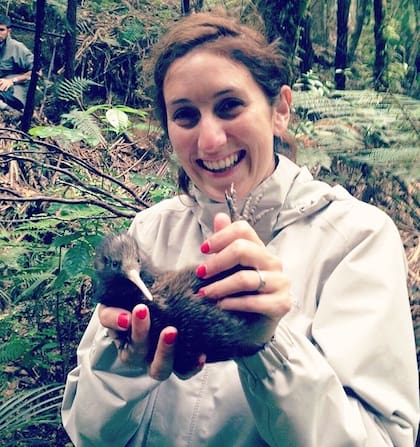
(343, 8)
(380, 43)
(323, 31)
(30, 97)
(319, 21)
(69, 41)
(198, 5)
(361, 9)
(283, 19)
(185, 7)
(306, 51)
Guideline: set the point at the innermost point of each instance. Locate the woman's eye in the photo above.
(186, 116)
(229, 107)
(114, 264)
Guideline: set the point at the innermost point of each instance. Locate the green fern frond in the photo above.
(10, 254)
(391, 155)
(6, 326)
(360, 109)
(13, 349)
(38, 281)
(27, 408)
(132, 31)
(73, 89)
(86, 125)
(26, 268)
(350, 121)
(401, 161)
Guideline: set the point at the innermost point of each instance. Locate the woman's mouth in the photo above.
(223, 164)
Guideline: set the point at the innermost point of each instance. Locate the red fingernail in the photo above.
(169, 338)
(201, 362)
(201, 271)
(201, 292)
(123, 320)
(141, 313)
(205, 247)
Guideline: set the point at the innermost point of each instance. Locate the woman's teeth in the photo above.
(221, 165)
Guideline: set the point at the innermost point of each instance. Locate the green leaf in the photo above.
(118, 119)
(138, 180)
(40, 280)
(139, 112)
(77, 259)
(67, 239)
(26, 408)
(60, 280)
(71, 135)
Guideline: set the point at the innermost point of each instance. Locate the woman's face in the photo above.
(221, 124)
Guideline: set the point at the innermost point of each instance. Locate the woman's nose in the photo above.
(211, 135)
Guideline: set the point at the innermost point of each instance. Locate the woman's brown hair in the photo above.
(267, 63)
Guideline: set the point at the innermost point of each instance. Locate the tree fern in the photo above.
(85, 125)
(6, 326)
(132, 31)
(13, 349)
(377, 128)
(27, 408)
(73, 89)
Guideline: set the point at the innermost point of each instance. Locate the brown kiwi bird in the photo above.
(124, 280)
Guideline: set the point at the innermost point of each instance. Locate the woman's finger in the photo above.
(221, 220)
(140, 324)
(245, 280)
(225, 233)
(273, 305)
(239, 252)
(114, 317)
(163, 361)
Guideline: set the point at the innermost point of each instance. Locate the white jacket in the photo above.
(341, 370)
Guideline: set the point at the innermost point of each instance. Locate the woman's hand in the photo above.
(135, 352)
(238, 244)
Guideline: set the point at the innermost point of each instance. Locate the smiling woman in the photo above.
(324, 272)
(265, 67)
(220, 123)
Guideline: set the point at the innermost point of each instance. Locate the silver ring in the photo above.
(261, 285)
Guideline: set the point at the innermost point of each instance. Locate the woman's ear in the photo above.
(281, 111)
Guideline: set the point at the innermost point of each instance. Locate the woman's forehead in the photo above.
(208, 68)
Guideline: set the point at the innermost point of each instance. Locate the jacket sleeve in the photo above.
(352, 379)
(103, 399)
(25, 58)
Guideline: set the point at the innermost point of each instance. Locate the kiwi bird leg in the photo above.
(230, 198)
(248, 212)
(134, 276)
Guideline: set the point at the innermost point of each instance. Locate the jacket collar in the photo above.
(290, 194)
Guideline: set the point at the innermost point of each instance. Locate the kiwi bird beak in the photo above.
(134, 276)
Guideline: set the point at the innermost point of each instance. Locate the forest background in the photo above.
(87, 154)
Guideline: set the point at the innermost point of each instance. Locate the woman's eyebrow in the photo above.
(224, 92)
(178, 101)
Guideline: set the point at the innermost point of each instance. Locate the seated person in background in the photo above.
(16, 62)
